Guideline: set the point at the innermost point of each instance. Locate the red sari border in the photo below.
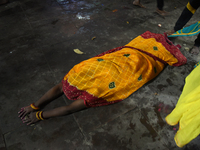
(174, 50)
(73, 93)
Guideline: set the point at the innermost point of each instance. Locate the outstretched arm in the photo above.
(77, 105)
(49, 96)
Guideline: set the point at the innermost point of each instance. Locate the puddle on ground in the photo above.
(74, 5)
(83, 16)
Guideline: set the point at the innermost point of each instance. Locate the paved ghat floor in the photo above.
(37, 39)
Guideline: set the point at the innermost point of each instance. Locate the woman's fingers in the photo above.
(26, 120)
(24, 115)
(27, 115)
(29, 123)
(21, 114)
(31, 118)
(22, 109)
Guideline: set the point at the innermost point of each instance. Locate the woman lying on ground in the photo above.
(109, 77)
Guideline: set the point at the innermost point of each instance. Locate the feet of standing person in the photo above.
(162, 12)
(194, 50)
(3, 2)
(170, 32)
(137, 3)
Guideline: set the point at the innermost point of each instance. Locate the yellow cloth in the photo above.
(187, 110)
(190, 8)
(116, 75)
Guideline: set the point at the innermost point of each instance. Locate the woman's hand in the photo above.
(30, 119)
(24, 111)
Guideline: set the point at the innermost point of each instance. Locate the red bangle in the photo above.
(34, 107)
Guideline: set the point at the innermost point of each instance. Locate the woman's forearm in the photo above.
(50, 95)
(65, 110)
(60, 111)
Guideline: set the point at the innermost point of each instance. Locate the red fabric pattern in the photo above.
(110, 51)
(73, 93)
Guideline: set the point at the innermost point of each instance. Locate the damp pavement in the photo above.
(37, 42)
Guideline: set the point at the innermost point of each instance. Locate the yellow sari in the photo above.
(187, 110)
(112, 77)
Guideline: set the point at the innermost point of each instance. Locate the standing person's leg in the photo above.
(159, 10)
(137, 3)
(197, 41)
(49, 96)
(195, 48)
(192, 6)
(185, 16)
(160, 4)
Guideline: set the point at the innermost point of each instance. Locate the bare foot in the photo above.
(24, 111)
(137, 3)
(194, 50)
(170, 32)
(162, 12)
(3, 2)
(30, 119)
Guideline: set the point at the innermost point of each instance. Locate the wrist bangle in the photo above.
(34, 107)
(40, 115)
(37, 115)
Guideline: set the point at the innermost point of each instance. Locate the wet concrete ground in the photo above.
(37, 39)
